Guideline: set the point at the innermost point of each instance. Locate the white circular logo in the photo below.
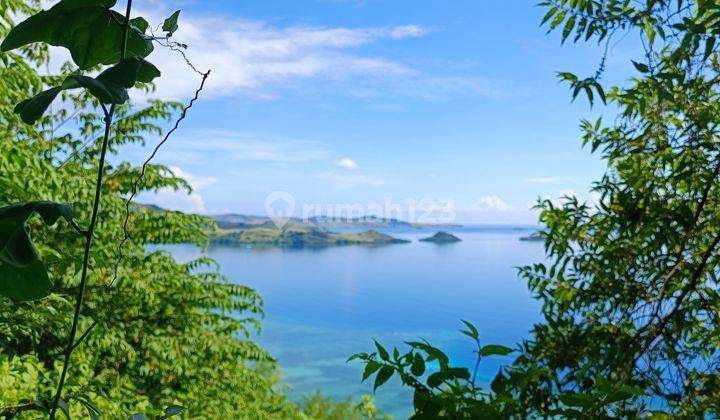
(279, 206)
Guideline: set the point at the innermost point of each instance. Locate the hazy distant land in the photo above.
(240, 229)
(241, 221)
(313, 232)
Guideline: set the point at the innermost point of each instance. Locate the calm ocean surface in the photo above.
(323, 305)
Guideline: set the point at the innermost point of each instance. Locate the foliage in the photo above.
(167, 333)
(448, 392)
(88, 28)
(22, 272)
(316, 406)
(630, 290)
(109, 87)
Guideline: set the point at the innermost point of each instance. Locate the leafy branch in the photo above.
(95, 35)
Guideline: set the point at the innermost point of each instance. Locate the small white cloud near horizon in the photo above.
(490, 203)
(346, 163)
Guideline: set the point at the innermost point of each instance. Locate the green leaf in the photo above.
(576, 400)
(140, 24)
(462, 373)
(436, 379)
(499, 384)
(93, 411)
(16, 247)
(88, 28)
(370, 368)
(418, 365)
(172, 411)
(129, 71)
(32, 109)
(381, 350)
(385, 373)
(25, 283)
(63, 405)
(709, 45)
(105, 92)
(622, 394)
(433, 352)
(548, 15)
(472, 331)
(495, 349)
(641, 67)
(109, 87)
(170, 25)
(22, 273)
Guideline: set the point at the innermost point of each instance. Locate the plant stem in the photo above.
(91, 229)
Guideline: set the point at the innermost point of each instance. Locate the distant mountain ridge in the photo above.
(244, 221)
(240, 229)
(241, 221)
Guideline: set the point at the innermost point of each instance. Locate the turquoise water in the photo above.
(323, 305)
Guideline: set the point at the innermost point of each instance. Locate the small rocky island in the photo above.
(442, 238)
(299, 236)
(534, 237)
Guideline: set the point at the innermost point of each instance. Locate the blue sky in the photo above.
(441, 105)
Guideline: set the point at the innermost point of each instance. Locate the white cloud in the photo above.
(247, 56)
(547, 180)
(197, 182)
(407, 31)
(238, 145)
(171, 199)
(346, 163)
(346, 182)
(489, 203)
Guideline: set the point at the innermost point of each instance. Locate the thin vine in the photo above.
(136, 183)
(91, 228)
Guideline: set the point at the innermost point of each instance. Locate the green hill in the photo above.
(299, 236)
(442, 238)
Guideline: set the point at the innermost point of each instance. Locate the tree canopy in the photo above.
(166, 333)
(629, 291)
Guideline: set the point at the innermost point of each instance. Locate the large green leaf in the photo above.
(88, 28)
(26, 283)
(32, 109)
(23, 275)
(495, 349)
(129, 71)
(383, 375)
(109, 87)
(170, 25)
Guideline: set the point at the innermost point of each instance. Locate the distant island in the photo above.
(241, 221)
(442, 238)
(534, 237)
(299, 236)
(240, 229)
